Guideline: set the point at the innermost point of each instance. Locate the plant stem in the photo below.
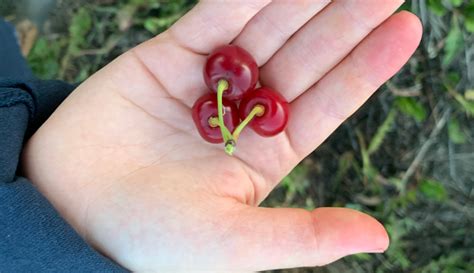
(222, 86)
(213, 122)
(257, 110)
(230, 139)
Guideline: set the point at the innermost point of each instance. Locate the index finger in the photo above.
(213, 23)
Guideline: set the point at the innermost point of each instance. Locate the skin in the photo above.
(122, 162)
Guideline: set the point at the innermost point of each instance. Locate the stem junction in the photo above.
(230, 139)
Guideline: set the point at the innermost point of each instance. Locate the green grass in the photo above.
(406, 157)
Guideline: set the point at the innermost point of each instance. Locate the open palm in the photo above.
(122, 161)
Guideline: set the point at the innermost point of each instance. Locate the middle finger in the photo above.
(272, 26)
(322, 43)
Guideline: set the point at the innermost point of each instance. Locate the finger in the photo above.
(319, 111)
(323, 43)
(270, 238)
(267, 31)
(214, 23)
(176, 70)
(174, 57)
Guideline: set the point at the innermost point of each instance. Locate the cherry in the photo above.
(232, 74)
(234, 65)
(267, 109)
(205, 116)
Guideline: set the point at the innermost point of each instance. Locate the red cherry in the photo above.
(236, 66)
(205, 108)
(275, 115)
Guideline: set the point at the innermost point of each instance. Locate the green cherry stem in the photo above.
(230, 139)
(258, 110)
(222, 86)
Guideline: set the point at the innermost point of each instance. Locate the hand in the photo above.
(122, 161)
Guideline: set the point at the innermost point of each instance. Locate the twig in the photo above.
(464, 209)
(110, 45)
(463, 156)
(458, 156)
(423, 150)
(468, 55)
(451, 162)
(413, 91)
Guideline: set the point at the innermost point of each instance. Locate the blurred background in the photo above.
(406, 157)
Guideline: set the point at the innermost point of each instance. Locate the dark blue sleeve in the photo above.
(33, 237)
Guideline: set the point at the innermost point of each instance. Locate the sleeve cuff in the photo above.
(36, 239)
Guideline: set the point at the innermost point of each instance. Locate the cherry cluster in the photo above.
(234, 102)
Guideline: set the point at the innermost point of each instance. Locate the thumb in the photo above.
(270, 238)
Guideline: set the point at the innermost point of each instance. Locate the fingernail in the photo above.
(378, 245)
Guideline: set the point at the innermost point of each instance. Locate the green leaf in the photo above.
(405, 6)
(382, 131)
(453, 78)
(469, 94)
(139, 2)
(437, 7)
(156, 25)
(411, 196)
(345, 162)
(456, 3)
(309, 203)
(44, 58)
(151, 25)
(295, 183)
(468, 13)
(40, 49)
(363, 257)
(81, 24)
(468, 10)
(83, 74)
(456, 135)
(451, 262)
(396, 182)
(412, 108)
(469, 23)
(368, 169)
(433, 189)
(453, 44)
(468, 106)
